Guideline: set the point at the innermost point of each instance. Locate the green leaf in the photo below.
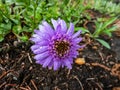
(108, 33)
(17, 29)
(83, 30)
(110, 21)
(6, 26)
(111, 29)
(104, 43)
(24, 38)
(1, 38)
(98, 29)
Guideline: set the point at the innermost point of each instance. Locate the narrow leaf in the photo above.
(104, 43)
(83, 30)
(110, 21)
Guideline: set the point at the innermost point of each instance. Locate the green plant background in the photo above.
(23, 16)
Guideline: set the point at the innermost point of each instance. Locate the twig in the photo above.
(2, 84)
(29, 58)
(68, 72)
(100, 65)
(20, 59)
(22, 88)
(99, 86)
(28, 87)
(79, 82)
(101, 55)
(115, 71)
(24, 80)
(1, 65)
(92, 79)
(108, 57)
(11, 85)
(5, 73)
(34, 85)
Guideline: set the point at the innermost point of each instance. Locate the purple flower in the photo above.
(55, 46)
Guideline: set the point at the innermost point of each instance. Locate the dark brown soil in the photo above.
(18, 70)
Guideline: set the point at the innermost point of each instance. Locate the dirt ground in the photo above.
(101, 70)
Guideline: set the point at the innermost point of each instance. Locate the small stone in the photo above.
(15, 43)
(95, 47)
(80, 61)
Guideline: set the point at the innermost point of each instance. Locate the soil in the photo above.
(18, 70)
(101, 70)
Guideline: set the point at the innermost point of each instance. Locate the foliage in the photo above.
(106, 6)
(102, 27)
(73, 10)
(23, 16)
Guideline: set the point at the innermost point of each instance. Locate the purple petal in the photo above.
(58, 29)
(41, 56)
(34, 47)
(74, 47)
(35, 36)
(48, 28)
(41, 49)
(47, 61)
(78, 46)
(38, 39)
(77, 40)
(70, 59)
(50, 64)
(63, 65)
(76, 34)
(58, 20)
(41, 33)
(35, 39)
(67, 63)
(55, 23)
(43, 43)
(37, 32)
(42, 28)
(71, 29)
(40, 61)
(56, 64)
(63, 26)
(73, 54)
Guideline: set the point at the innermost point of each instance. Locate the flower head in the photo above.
(55, 46)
